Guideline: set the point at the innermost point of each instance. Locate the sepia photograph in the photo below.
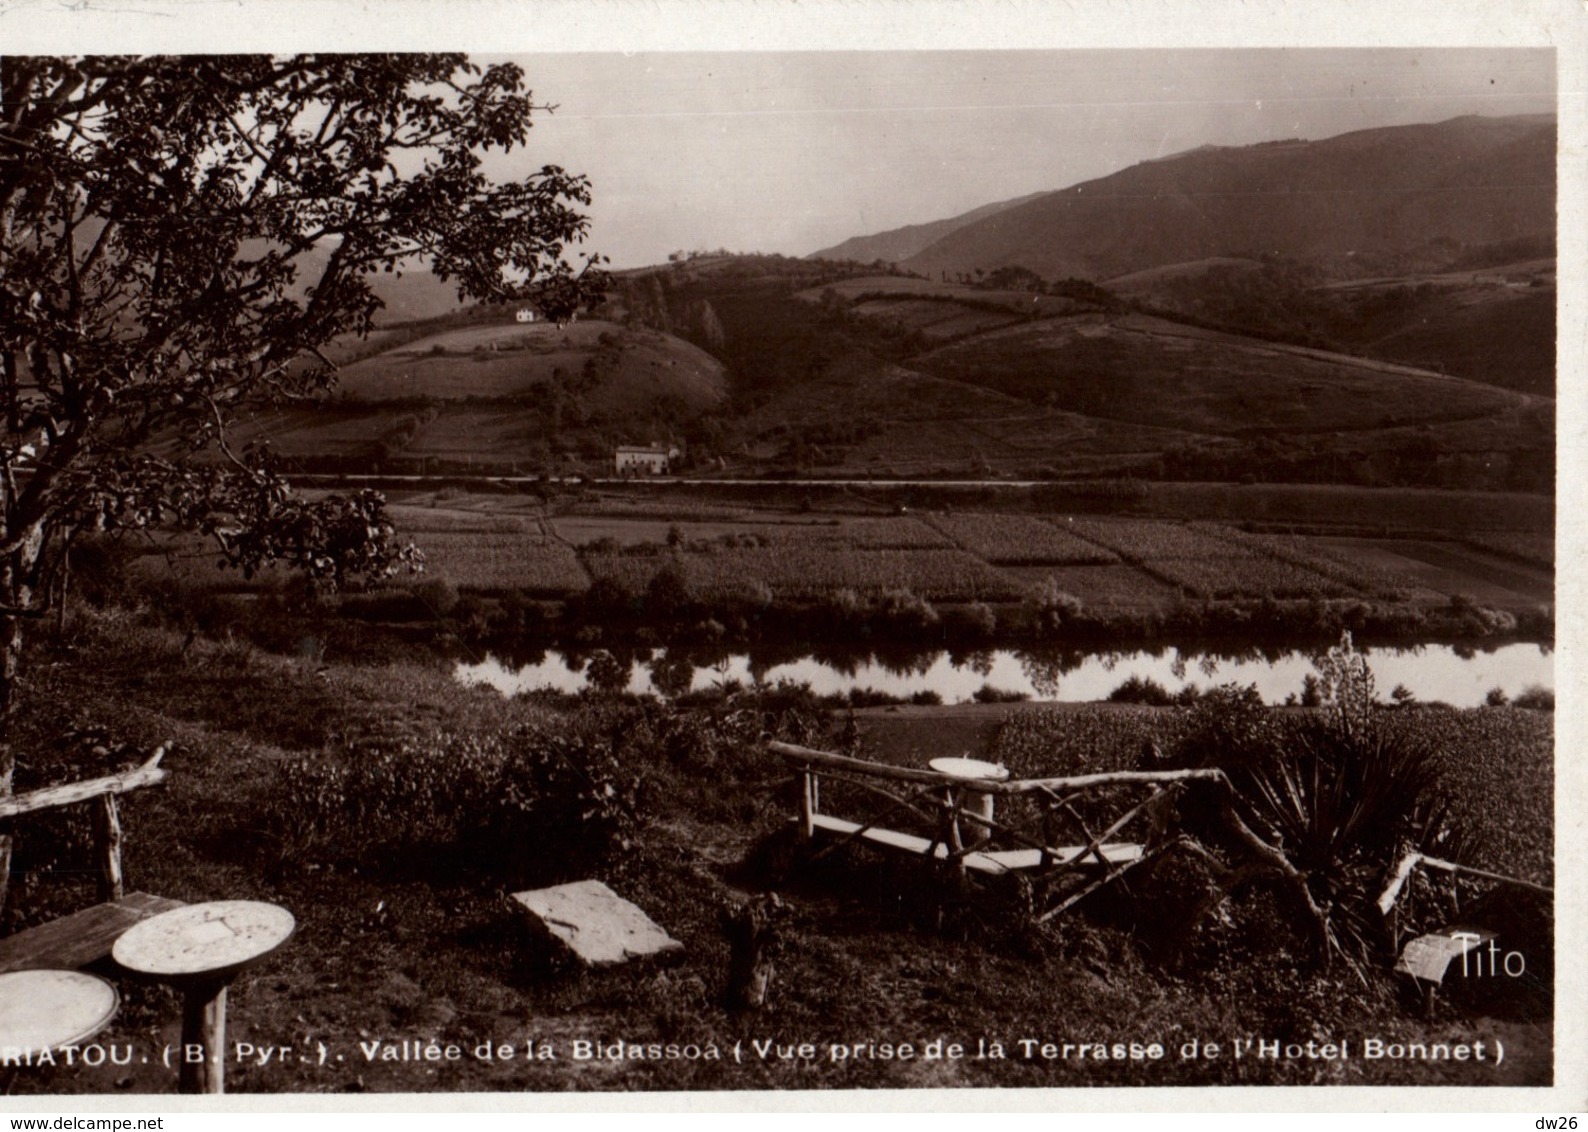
(776, 567)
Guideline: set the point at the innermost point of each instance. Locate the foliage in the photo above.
(1338, 799)
(669, 594)
(904, 611)
(1136, 690)
(182, 235)
(1345, 682)
(1535, 698)
(987, 694)
(1052, 608)
(536, 802)
(1343, 807)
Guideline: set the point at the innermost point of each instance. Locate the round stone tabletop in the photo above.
(47, 1010)
(969, 769)
(199, 940)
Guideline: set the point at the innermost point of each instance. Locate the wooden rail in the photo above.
(110, 785)
(1409, 862)
(1096, 859)
(85, 936)
(810, 757)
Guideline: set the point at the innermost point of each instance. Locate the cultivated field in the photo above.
(1112, 567)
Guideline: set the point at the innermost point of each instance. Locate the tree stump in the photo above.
(753, 938)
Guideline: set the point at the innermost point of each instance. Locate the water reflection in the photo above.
(1456, 675)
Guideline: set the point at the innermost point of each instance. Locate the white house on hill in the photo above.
(526, 314)
(651, 460)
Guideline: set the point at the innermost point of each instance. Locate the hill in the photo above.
(902, 243)
(1376, 201)
(500, 360)
(860, 373)
(498, 397)
(1494, 324)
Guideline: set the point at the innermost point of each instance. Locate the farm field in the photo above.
(1149, 371)
(1451, 568)
(1112, 566)
(1015, 540)
(582, 530)
(812, 571)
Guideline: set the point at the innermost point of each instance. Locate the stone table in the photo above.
(46, 1010)
(969, 771)
(199, 949)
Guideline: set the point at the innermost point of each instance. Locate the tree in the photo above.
(179, 237)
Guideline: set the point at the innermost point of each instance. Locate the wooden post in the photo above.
(808, 803)
(953, 835)
(752, 938)
(203, 1053)
(5, 863)
(107, 839)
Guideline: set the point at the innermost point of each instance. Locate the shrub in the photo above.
(1535, 698)
(904, 610)
(1136, 690)
(1052, 608)
(606, 673)
(987, 694)
(438, 595)
(844, 608)
(974, 620)
(672, 674)
(669, 594)
(609, 597)
(1336, 801)
(527, 803)
(1496, 698)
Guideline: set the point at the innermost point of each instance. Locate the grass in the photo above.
(385, 953)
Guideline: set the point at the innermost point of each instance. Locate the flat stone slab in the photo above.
(596, 924)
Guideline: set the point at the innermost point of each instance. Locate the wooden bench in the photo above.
(950, 804)
(84, 937)
(1426, 957)
(981, 861)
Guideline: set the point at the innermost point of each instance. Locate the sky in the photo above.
(791, 152)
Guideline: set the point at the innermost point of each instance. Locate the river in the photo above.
(1449, 674)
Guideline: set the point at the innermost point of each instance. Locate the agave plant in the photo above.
(1342, 806)
(1327, 804)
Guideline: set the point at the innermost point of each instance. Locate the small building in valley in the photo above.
(650, 460)
(526, 314)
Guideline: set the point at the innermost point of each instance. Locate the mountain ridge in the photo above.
(901, 243)
(1386, 191)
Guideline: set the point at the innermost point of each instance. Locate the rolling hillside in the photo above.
(1490, 324)
(499, 397)
(507, 360)
(885, 374)
(1362, 202)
